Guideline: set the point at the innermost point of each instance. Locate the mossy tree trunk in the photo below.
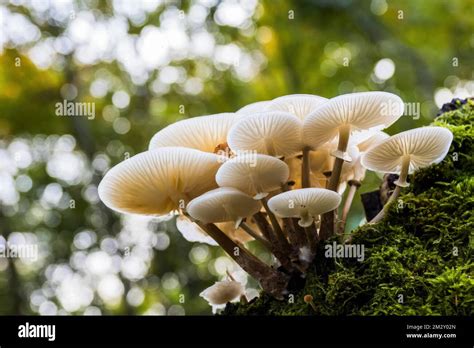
(417, 261)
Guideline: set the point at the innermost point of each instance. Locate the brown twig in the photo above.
(272, 281)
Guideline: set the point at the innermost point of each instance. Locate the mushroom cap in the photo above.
(203, 133)
(305, 203)
(373, 140)
(222, 292)
(363, 111)
(358, 170)
(255, 175)
(157, 182)
(299, 105)
(192, 232)
(426, 146)
(353, 170)
(222, 204)
(274, 133)
(342, 187)
(253, 108)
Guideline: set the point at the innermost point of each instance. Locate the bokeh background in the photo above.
(145, 64)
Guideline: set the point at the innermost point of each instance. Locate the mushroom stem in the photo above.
(230, 275)
(264, 227)
(353, 186)
(255, 235)
(276, 227)
(305, 176)
(402, 178)
(344, 135)
(296, 244)
(327, 175)
(293, 231)
(327, 220)
(296, 235)
(312, 236)
(401, 182)
(309, 300)
(381, 214)
(272, 281)
(276, 249)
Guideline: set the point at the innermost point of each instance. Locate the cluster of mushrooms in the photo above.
(273, 172)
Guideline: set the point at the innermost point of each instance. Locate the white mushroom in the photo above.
(253, 108)
(160, 181)
(223, 204)
(273, 133)
(299, 105)
(349, 113)
(219, 294)
(256, 175)
(306, 204)
(407, 152)
(205, 133)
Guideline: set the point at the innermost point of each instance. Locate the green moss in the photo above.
(418, 260)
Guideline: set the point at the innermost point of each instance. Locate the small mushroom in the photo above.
(407, 152)
(160, 181)
(306, 204)
(221, 205)
(227, 207)
(273, 133)
(253, 108)
(256, 174)
(350, 113)
(299, 105)
(219, 294)
(205, 133)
